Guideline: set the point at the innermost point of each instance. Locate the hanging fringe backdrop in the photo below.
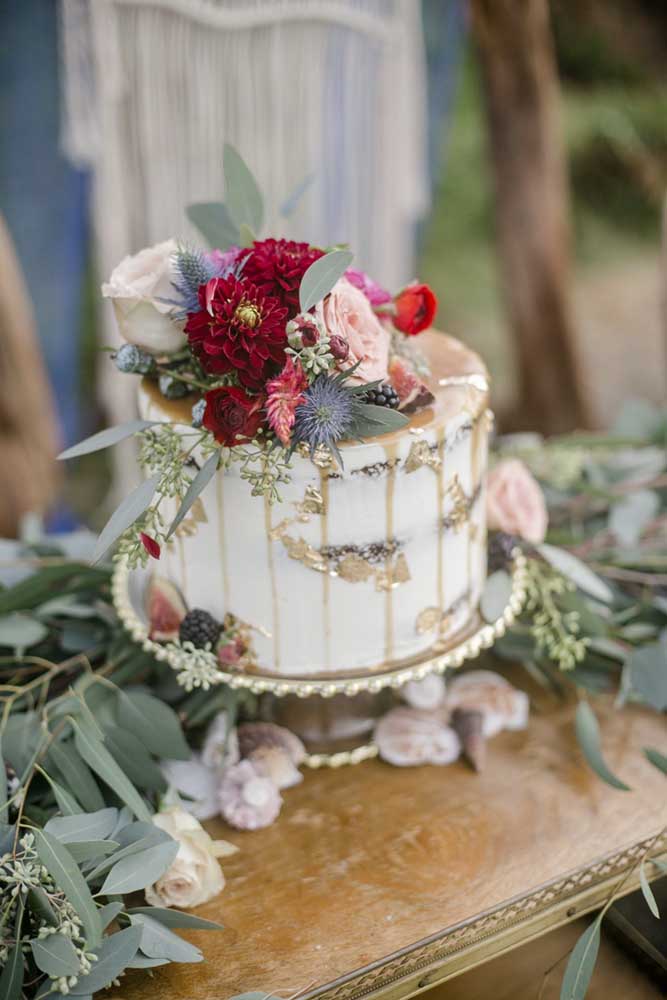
(331, 90)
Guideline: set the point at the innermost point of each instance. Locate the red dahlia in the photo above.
(238, 329)
(277, 267)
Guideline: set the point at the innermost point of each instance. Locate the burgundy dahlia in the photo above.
(277, 267)
(238, 328)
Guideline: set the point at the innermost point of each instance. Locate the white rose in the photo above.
(195, 875)
(138, 288)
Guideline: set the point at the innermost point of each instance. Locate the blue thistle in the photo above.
(326, 415)
(193, 269)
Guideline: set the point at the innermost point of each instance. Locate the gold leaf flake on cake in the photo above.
(299, 550)
(387, 579)
(354, 569)
(190, 524)
(460, 509)
(312, 502)
(427, 620)
(422, 454)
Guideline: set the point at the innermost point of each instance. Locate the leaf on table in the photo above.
(127, 512)
(20, 631)
(588, 737)
(176, 918)
(90, 850)
(647, 670)
(578, 572)
(115, 954)
(63, 869)
(132, 756)
(154, 723)
(656, 758)
(321, 276)
(629, 517)
(73, 771)
(11, 977)
(647, 892)
(581, 964)
(157, 941)
(102, 763)
(106, 438)
(109, 912)
(66, 802)
(84, 826)
(55, 955)
(139, 870)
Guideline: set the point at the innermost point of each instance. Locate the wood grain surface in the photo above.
(369, 860)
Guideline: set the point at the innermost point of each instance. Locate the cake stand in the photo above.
(128, 588)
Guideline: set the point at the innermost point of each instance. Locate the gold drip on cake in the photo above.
(440, 488)
(390, 452)
(274, 592)
(324, 541)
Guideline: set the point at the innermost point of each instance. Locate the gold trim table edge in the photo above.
(462, 947)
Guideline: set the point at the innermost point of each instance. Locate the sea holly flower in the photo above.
(284, 394)
(325, 416)
(415, 309)
(238, 329)
(232, 415)
(276, 267)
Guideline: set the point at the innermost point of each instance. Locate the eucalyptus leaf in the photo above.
(588, 736)
(199, 482)
(321, 276)
(11, 978)
(63, 869)
(39, 903)
(246, 236)
(109, 912)
(292, 200)
(131, 755)
(154, 723)
(125, 851)
(20, 738)
(115, 954)
(157, 941)
(647, 669)
(647, 892)
(131, 508)
(656, 758)
(83, 827)
(176, 918)
(144, 962)
(55, 955)
(74, 772)
(371, 420)
(630, 516)
(213, 221)
(495, 596)
(106, 438)
(102, 763)
(242, 195)
(581, 964)
(139, 870)
(20, 631)
(90, 850)
(3, 781)
(578, 572)
(65, 801)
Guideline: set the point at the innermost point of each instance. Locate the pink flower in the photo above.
(515, 502)
(284, 393)
(224, 260)
(348, 314)
(376, 295)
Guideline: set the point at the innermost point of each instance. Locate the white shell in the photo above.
(274, 763)
(253, 736)
(426, 693)
(221, 746)
(247, 799)
(407, 737)
(197, 782)
(503, 706)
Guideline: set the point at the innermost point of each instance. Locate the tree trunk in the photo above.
(518, 66)
(28, 426)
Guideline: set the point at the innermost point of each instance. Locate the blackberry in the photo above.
(383, 395)
(199, 627)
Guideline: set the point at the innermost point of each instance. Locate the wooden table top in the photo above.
(377, 880)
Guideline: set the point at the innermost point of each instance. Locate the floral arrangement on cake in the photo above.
(279, 344)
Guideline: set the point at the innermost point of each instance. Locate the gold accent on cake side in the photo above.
(421, 454)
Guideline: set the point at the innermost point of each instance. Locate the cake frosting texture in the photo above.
(359, 568)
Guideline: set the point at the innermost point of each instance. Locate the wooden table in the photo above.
(381, 881)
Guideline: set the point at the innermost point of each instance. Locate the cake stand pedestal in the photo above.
(333, 732)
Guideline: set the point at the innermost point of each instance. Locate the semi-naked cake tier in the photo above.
(359, 569)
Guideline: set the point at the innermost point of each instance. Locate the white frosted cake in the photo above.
(360, 568)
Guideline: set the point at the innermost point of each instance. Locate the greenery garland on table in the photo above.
(87, 716)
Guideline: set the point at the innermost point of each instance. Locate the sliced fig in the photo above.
(165, 608)
(412, 392)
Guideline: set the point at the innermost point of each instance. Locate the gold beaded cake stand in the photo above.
(128, 591)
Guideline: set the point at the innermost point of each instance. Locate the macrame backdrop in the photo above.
(329, 89)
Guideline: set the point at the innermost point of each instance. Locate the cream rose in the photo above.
(195, 875)
(138, 288)
(348, 314)
(515, 502)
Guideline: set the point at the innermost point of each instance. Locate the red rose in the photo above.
(232, 416)
(415, 309)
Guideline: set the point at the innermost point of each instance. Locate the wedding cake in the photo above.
(314, 455)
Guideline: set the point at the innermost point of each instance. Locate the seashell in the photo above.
(468, 724)
(221, 747)
(407, 737)
(197, 782)
(248, 800)
(425, 694)
(503, 706)
(276, 764)
(255, 735)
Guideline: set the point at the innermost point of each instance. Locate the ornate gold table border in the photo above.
(466, 945)
(432, 662)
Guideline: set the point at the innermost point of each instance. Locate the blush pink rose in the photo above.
(347, 313)
(515, 502)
